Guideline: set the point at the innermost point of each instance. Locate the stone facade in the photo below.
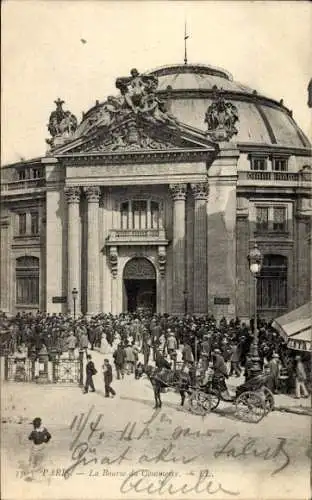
(164, 200)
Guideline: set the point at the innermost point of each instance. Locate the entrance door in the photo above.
(140, 285)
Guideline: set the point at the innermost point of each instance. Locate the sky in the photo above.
(265, 45)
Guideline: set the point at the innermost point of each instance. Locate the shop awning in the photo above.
(296, 328)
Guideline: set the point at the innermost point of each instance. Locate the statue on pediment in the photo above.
(136, 86)
(108, 112)
(62, 124)
(154, 110)
(221, 117)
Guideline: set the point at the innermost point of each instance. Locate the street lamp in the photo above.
(255, 263)
(74, 295)
(185, 294)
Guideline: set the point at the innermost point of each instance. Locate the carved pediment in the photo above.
(137, 120)
(137, 135)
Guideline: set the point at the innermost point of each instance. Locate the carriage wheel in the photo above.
(199, 403)
(250, 407)
(268, 400)
(212, 400)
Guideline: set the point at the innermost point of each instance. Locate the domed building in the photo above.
(155, 200)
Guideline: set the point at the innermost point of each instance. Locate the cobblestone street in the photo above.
(173, 441)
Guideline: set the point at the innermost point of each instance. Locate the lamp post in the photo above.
(74, 295)
(255, 263)
(185, 294)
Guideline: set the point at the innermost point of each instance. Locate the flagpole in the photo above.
(185, 47)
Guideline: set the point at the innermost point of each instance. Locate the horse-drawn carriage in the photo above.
(253, 400)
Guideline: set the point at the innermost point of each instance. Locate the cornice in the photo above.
(172, 156)
(245, 147)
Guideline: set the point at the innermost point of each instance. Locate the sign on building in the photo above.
(59, 300)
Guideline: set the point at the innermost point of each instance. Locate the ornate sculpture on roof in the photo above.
(221, 117)
(137, 99)
(138, 94)
(62, 124)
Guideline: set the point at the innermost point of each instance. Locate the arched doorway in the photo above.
(139, 278)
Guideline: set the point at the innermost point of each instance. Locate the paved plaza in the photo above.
(129, 436)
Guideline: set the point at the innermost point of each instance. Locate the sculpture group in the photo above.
(122, 117)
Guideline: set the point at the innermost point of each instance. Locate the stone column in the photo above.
(93, 257)
(73, 244)
(200, 193)
(303, 257)
(178, 193)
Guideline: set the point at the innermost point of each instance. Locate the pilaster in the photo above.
(178, 193)
(72, 195)
(200, 194)
(221, 232)
(93, 257)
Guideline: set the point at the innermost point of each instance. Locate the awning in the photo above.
(296, 328)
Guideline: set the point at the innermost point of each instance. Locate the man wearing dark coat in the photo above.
(119, 360)
(91, 336)
(90, 371)
(108, 378)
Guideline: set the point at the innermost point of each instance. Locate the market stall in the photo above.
(296, 328)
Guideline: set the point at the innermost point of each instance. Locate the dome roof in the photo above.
(190, 89)
(196, 77)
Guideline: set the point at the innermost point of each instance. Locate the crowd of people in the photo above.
(189, 340)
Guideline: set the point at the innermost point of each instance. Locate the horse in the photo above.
(165, 378)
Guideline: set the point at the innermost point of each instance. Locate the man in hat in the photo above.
(90, 371)
(234, 359)
(300, 379)
(220, 372)
(205, 351)
(119, 357)
(71, 345)
(108, 378)
(172, 346)
(274, 372)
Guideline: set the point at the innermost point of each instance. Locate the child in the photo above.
(40, 436)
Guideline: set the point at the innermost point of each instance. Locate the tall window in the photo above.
(34, 223)
(27, 281)
(124, 215)
(139, 214)
(279, 219)
(154, 215)
(262, 223)
(272, 283)
(22, 228)
(279, 164)
(22, 174)
(36, 173)
(258, 163)
(271, 218)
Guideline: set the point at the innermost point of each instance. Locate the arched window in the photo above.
(272, 283)
(27, 281)
(139, 214)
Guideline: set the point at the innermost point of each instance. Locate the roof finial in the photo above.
(185, 44)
